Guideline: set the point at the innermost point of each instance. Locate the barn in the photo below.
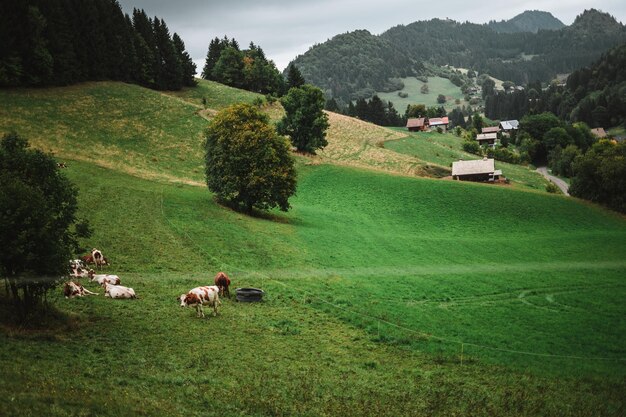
(417, 124)
(475, 170)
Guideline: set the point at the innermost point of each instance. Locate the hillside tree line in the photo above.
(61, 42)
(248, 69)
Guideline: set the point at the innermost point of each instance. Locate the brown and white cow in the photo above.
(102, 279)
(72, 289)
(97, 257)
(118, 291)
(200, 296)
(77, 269)
(223, 282)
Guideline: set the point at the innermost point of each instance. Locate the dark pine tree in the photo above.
(170, 74)
(188, 66)
(216, 46)
(294, 77)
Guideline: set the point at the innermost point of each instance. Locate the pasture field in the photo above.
(436, 86)
(386, 295)
(443, 149)
(338, 268)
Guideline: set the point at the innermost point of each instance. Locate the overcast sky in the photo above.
(287, 28)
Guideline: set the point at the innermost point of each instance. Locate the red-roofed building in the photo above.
(417, 124)
(435, 122)
(491, 129)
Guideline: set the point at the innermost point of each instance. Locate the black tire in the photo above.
(249, 295)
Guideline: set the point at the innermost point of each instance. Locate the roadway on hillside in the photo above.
(557, 181)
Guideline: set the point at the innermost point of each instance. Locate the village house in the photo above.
(435, 122)
(475, 170)
(490, 129)
(507, 126)
(417, 124)
(487, 139)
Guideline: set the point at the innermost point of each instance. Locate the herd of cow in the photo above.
(196, 297)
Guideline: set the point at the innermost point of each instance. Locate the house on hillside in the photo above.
(491, 129)
(487, 139)
(417, 124)
(475, 170)
(435, 122)
(507, 126)
(599, 132)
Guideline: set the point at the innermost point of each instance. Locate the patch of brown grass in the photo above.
(354, 142)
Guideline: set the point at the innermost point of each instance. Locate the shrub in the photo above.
(472, 146)
(258, 102)
(504, 155)
(552, 188)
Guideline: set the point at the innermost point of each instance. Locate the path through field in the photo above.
(557, 181)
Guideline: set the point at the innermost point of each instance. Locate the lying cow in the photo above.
(118, 291)
(222, 282)
(200, 296)
(102, 279)
(72, 289)
(77, 269)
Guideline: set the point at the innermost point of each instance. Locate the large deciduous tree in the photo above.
(39, 229)
(599, 175)
(305, 121)
(248, 165)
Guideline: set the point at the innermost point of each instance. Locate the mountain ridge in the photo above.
(354, 69)
(527, 21)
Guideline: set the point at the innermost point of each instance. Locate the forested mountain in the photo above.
(529, 21)
(595, 95)
(355, 62)
(352, 65)
(59, 42)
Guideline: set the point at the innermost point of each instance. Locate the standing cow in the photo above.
(200, 296)
(97, 258)
(223, 282)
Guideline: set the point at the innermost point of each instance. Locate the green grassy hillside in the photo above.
(436, 86)
(443, 149)
(386, 295)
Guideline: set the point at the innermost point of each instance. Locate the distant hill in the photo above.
(528, 21)
(355, 64)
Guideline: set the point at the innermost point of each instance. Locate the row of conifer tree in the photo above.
(61, 42)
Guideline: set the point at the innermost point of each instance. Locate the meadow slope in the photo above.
(386, 294)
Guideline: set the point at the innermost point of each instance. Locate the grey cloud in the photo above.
(286, 28)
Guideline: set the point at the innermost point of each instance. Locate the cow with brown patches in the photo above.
(118, 291)
(72, 289)
(102, 279)
(97, 257)
(223, 282)
(199, 296)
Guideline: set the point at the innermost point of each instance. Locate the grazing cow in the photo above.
(72, 289)
(117, 291)
(223, 282)
(102, 279)
(98, 259)
(200, 296)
